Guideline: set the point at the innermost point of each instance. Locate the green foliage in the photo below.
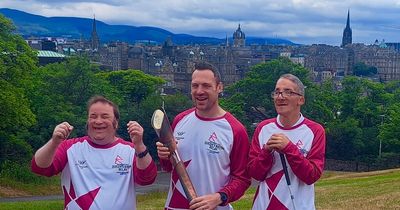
(133, 87)
(19, 172)
(361, 69)
(249, 99)
(389, 130)
(17, 61)
(352, 116)
(344, 139)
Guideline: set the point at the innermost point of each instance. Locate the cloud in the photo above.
(302, 21)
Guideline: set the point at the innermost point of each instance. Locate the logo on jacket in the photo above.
(82, 164)
(118, 160)
(120, 167)
(300, 146)
(180, 135)
(213, 146)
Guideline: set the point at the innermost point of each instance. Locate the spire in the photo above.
(347, 33)
(94, 24)
(95, 38)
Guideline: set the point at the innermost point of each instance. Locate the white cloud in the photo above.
(303, 21)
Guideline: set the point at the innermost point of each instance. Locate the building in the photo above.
(347, 33)
(47, 57)
(95, 40)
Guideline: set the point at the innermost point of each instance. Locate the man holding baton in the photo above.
(287, 153)
(213, 145)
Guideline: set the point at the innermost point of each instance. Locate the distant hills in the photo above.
(35, 25)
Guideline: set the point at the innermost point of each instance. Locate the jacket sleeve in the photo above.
(260, 160)
(58, 164)
(239, 178)
(308, 169)
(145, 176)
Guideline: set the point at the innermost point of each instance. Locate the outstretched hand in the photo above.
(61, 132)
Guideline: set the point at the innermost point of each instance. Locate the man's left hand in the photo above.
(277, 142)
(206, 202)
(135, 132)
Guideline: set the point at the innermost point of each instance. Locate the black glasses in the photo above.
(285, 93)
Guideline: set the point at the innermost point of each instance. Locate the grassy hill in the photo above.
(336, 190)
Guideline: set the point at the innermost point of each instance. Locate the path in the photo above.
(161, 183)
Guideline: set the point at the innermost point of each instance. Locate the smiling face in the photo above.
(205, 90)
(102, 124)
(288, 107)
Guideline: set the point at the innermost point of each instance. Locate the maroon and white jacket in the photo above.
(215, 153)
(97, 177)
(305, 155)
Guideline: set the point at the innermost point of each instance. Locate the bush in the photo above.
(19, 172)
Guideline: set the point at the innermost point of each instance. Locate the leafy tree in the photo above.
(173, 105)
(361, 69)
(133, 86)
(390, 133)
(60, 94)
(344, 139)
(249, 99)
(17, 61)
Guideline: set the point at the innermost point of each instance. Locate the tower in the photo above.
(347, 34)
(95, 39)
(239, 38)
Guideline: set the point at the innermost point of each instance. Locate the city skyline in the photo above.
(300, 21)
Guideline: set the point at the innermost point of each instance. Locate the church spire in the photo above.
(347, 33)
(95, 38)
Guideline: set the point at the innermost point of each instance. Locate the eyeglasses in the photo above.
(285, 93)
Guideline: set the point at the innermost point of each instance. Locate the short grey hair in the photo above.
(295, 80)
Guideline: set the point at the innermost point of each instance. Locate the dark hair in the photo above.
(208, 66)
(101, 99)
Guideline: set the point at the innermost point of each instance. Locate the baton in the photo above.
(161, 125)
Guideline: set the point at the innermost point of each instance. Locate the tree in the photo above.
(133, 86)
(250, 98)
(17, 61)
(361, 69)
(344, 139)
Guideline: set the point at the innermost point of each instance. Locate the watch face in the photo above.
(224, 197)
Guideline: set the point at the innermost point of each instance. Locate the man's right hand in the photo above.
(61, 132)
(162, 151)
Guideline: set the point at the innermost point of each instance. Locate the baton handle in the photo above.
(180, 169)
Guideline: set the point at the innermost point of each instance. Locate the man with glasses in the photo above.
(287, 153)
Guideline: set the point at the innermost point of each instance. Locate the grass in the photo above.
(335, 190)
(46, 186)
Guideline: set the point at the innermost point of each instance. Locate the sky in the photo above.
(300, 21)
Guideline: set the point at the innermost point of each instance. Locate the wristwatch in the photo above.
(224, 198)
(142, 154)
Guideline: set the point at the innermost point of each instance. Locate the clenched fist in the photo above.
(61, 132)
(135, 132)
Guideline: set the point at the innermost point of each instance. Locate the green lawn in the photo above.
(371, 190)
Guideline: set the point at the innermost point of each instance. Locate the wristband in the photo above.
(142, 154)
